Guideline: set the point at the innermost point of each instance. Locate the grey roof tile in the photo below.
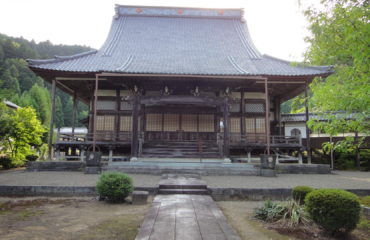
(168, 41)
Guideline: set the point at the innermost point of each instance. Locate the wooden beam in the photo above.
(74, 108)
(78, 79)
(135, 126)
(51, 130)
(226, 128)
(95, 106)
(308, 138)
(267, 117)
(282, 82)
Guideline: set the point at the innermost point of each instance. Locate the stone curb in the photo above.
(58, 191)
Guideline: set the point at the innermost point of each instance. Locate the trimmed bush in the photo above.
(6, 162)
(337, 211)
(299, 193)
(114, 186)
(32, 157)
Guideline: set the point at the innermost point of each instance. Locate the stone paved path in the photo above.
(185, 217)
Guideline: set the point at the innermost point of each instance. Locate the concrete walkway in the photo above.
(185, 217)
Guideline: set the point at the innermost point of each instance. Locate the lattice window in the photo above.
(105, 123)
(260, 125)
(255, 125)
(189, 123)
(254, 108)
(235, 125)
(106, 105)
(125, 124)
(250, 125)
(206, 123)
(154, 122)
(126, 106)
(171, 122)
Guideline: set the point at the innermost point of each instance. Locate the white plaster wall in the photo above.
(290, 126)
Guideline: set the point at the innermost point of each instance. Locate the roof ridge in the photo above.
(162, 11)
(60, 58)
(329, 67)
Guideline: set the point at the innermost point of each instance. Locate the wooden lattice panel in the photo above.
(153, 122)
(106, 105)
(171, 122)
(235, 125)
(105, 123)
(206, 123)
(254, 108)
(125, 124)
(250, 125)
(189, 123)
(260, 125)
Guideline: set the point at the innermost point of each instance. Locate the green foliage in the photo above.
(114, 186)
(21, 86)
(340, 36)
(289, 213)
(32, 157)
(365, 201)
(299, 193)
(270, 212)
(6, 162)
(337, 211)
(20, 130)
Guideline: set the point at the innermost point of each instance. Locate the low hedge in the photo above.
(337, 211)
(114, 186)
(299, 193)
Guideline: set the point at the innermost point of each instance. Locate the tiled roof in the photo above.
(301, 117)
(164, 40)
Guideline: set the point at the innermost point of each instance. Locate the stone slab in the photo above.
(185, 217)
(140, 197)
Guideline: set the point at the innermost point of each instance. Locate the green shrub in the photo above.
(114, 186)
(337, 211)
(270, 212)
(365, 201)
(32, 157)
(299, 193)
(6, 162)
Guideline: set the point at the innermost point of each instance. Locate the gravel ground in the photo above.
(340, 179)
(24, 178)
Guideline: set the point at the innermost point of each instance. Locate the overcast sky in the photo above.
(277, 27)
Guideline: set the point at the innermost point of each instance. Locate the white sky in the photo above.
(277, 27)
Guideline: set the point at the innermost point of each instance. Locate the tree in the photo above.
(340, 37)
(20, 130)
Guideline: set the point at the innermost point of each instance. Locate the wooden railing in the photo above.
(179, 136)
(107, 136)
(256, 138)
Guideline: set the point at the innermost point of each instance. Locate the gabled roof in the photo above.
(173, 40)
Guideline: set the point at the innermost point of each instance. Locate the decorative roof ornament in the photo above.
(166, 91)
(195, 92)
(227, 92)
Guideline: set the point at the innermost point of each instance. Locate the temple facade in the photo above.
(178, 82)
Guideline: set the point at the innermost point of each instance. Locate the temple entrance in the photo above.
(180, 127)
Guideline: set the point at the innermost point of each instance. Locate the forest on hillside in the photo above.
(21, 86)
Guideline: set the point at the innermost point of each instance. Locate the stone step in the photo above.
(184, 191)
(181, 186)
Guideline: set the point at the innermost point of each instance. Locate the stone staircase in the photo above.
(181, 149)
(182, 184)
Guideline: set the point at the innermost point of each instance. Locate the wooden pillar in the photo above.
(95, 106)
(51, 131)
(74, 108)
(135, 126)
(267, 117)
(278, 116)
(308, 138)
(242, 105)
(226, 128)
